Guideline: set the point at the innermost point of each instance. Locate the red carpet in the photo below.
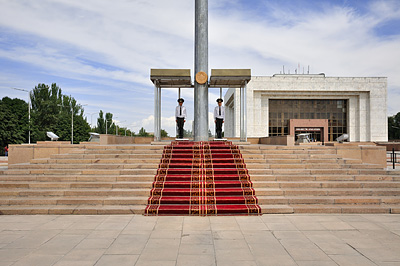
(202, 178)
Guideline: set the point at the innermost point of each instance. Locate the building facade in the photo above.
(325, 107)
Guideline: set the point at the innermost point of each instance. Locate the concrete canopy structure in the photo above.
(166, 78)
(181, 78)
(171, 78)
(229, 78)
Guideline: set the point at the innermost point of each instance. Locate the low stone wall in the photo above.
(390, 145)
(366, 153)
(287, 140)
(24, 153)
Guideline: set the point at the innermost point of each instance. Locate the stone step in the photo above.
(85, 166)
(74, 201)
(81, 172)
(324, 184)
(74, 192)
(79, 178)
(120, 151)
(344, 200)
(336, 208)
(74, 185)
(125, 147)
(72, 209)
(327, 192)
(316, 171)
(106, 156)
(96, 161)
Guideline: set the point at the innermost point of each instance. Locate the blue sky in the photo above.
(101, 52)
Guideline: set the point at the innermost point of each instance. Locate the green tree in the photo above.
(394, 127)
(143, 133)
(164, 133)
(53, 111)
(14, 122)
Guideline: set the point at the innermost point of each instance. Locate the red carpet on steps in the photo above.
(202, 178)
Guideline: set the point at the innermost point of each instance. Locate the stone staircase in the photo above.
(117, 179)
(97, 180)
(314, 179)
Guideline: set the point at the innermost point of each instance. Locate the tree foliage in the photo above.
(164, 133)
(394, 127)
(143, 133)
(105, 121)
(53, 111)
(14, 125)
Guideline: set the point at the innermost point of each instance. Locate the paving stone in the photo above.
(347, 260)
(196, 249)
(88, 255)
(196, 260)
(60, 245)
(120, 260)
(38, 260)
(155, 263)
(128, 244)
(194, 237)
(227, 234)
(233, 254)
(161, 254)
(95, 243)
(166, 234)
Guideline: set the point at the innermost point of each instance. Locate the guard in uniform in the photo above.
(219, 118)
(180, 114)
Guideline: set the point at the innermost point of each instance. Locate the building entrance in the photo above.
(316, 134)
(317, 128)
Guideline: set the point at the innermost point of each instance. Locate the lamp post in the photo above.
(29, 112)
(91, 118)
(116, 127)
(72, 120)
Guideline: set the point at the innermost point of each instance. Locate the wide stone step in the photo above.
(317, 171)
(120, 151)
(344, 200)
(328, 177)
(73, 185)
(336, 208)
(74, 192)
(85, 166)
(96, 161)
(72, 209)
(78, 178)
(74, 201)
(106, 156)
(325, 184)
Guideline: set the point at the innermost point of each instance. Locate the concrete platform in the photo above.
(258, 240)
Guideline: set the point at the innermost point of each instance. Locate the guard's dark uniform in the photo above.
(180, 114)
(219, 117)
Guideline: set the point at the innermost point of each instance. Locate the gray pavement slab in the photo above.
(300, 239)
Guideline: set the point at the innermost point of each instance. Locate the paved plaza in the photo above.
(259, 240)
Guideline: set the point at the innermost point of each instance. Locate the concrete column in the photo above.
(157, 113)
(201, 64)
(243, 126)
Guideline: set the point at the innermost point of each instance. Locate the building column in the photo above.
(157, 113)
(243, 125)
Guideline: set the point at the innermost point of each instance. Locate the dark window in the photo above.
(281, 111)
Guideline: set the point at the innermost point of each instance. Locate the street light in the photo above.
(116, 126)
(91, 118)
(29, 111)
(72, 120)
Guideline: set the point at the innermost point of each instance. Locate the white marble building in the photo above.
(365, 99)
